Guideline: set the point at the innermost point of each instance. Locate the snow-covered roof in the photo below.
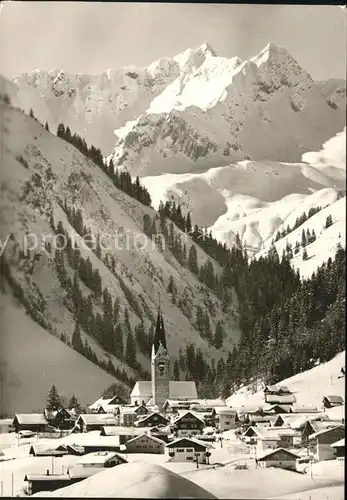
(297, 421)
(318, 426)
(334, 399)
(305, 409)
(277, 389)
(80, 471)
(148, 436)
(115, 430)
(175, 443)
(101, 457)
(286, 407)
(154, 415)
(339, 444)
(281, 398)
(142, 388)
(226, 411)
(272, 432)
(31, 418)
(183, 413)
(84, 439)
(274, 452)
(108, 408)
(94, 419)
(45, 477)
(325, 431)
(98, 402)
(211, 403)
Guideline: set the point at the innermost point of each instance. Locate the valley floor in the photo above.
(219, 478)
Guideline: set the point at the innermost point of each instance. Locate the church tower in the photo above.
(160, 365)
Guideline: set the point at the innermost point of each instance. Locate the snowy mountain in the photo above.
(222, 110)
(257, 199)
(194, 111)
(42, 174)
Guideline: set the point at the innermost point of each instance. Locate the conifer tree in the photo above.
(188, 224)
(130, 349)
(74, 405)
(46, 126)
(118, 344)
(303, 238)
(53, 399)
(328, 222)
(218, 336)
(76, 342)
(176, 370)
(171, 285)
(193, 260)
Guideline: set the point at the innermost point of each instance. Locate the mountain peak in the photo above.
(206, 47)
(272, 52)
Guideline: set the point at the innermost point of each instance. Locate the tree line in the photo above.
(121, 179)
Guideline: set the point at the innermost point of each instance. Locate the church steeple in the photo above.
(159, 335)
(160, 365)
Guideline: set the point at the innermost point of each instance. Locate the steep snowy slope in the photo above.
(309, 387)
(39, 172)
(220, 110)
(32, 361)
(327, 239)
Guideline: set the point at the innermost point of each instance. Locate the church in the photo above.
(156, 391)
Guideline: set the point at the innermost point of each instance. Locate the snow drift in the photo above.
(135, 480)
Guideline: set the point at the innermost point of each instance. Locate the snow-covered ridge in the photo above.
(309, 387)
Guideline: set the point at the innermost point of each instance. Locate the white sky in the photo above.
(91, 37)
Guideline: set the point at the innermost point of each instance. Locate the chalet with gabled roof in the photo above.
(35, 422)
(279, 395)
(187, 424)
(151, 420)
(331, 401)
(189, 450)
(226, 418)
(320, 442)
(145, 443)
(94, 422)
(101, 459)
(313, 426)
(124, 433)
(280, 457)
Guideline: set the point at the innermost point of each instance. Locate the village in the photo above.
(165, 423)
(200, 433)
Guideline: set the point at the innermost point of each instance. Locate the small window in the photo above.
(190, 450)
(180, 450)
(189, 458)
(227, 422)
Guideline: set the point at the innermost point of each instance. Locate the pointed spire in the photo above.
(159, 335)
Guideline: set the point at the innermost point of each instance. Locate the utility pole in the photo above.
(12, 483)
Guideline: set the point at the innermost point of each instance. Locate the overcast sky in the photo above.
(92, 37)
